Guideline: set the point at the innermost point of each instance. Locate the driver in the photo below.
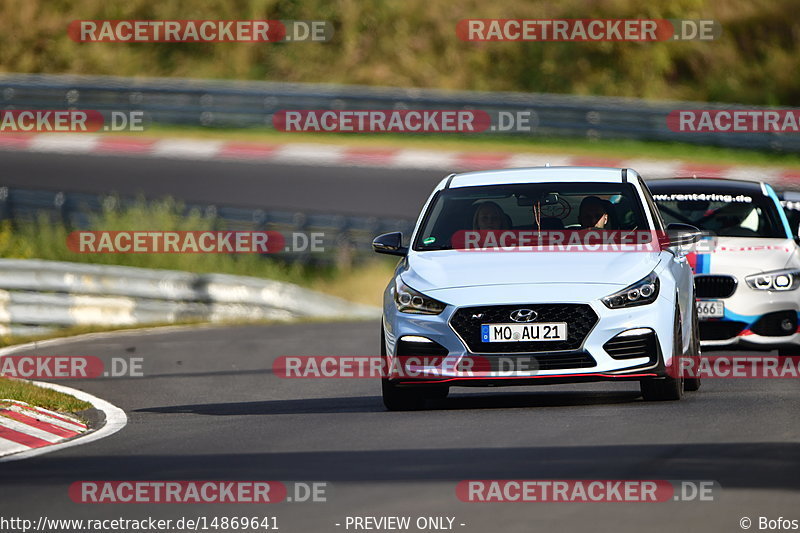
(593, 213)
(489, 216)
(730, 218)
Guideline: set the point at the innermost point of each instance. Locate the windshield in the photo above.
(526, 206)
(725, 215)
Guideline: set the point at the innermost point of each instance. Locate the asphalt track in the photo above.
(340, 190)
(209, 408)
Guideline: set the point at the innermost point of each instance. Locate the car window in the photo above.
(515, 207)
(725, 215)
(791, 208)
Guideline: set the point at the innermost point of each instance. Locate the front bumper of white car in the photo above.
(447, 348)
(752, 319)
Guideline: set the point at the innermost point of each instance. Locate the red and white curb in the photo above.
(115, 420)
(40, 437)
(24, 427)
(320, 154)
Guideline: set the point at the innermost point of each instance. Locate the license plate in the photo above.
(710, 309)
(541, 331)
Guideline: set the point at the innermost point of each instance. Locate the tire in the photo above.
(399, 398)
(693, 384)
(666, 388)
(436, 392)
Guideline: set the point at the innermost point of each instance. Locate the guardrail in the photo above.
(252, 104)
(37, 296)
(345, 239)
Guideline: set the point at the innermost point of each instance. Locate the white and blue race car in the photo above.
(747, 272)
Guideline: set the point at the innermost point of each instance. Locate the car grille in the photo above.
(631, 347)
(467, 321)
(711, 286)
(532, 363)
(719, 330)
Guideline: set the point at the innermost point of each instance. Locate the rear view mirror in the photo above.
(390, 243)
(550, 198)
(682, 235)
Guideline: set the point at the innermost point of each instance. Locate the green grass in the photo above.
(46, 239)
(413, 43)
(23, 391)
(612, 149)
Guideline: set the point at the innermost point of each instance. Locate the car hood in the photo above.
(743, 256)
(446, 269)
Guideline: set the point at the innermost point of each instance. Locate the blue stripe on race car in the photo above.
(781, 212)
(702, 264)
(748, 319)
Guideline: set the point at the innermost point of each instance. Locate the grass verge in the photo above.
(45, 238)
(9, 340)
(613, 149)
(24, 391)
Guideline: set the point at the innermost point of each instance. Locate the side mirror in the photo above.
(682, 234)
(390, 243)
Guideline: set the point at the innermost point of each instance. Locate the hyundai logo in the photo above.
(524, 315)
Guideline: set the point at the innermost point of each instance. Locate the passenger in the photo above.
(490, 216)
(593, 213)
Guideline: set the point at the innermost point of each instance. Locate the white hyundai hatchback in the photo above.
(468, 307)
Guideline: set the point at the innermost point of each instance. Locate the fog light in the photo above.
(787, 325)
(635, 332)
(414, 338)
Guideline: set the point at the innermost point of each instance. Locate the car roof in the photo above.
(717, 185)
(537, 174)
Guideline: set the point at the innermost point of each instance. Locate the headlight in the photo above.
(776, 280)
(643, 292)
(408, 300)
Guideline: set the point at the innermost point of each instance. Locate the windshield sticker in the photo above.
(703, 197)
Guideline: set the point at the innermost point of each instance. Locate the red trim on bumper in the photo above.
(551, 376)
